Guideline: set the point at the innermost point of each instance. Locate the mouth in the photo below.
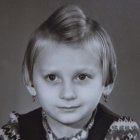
(69, 108)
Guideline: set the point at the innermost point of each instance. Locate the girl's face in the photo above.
(68, 82)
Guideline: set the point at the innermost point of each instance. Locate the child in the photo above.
(69, 65)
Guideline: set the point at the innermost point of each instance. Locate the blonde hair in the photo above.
(70, 25)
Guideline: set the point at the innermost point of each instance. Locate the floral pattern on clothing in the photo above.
(122, 129)
(10, 130)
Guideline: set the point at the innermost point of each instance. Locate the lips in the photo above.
(69, 108)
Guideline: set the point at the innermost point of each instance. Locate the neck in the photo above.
(67, 130)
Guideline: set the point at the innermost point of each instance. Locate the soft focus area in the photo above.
(19, 18)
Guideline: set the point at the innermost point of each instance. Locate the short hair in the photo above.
(70, 25)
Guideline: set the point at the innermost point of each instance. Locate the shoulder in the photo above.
(106, 113)
(10, 130)
(116, 127)
(124, 128)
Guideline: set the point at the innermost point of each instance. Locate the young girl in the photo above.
(69, 65)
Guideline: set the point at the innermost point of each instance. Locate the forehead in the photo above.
(78, 55)
(92, 45)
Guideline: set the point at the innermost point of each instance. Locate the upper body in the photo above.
(107, 126)
(69, 65)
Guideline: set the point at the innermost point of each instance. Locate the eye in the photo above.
(82, 76)
(51, 77)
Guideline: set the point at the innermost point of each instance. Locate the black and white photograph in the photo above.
(69, 70)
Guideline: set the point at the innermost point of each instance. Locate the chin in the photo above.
(68, 122)
(71, 119)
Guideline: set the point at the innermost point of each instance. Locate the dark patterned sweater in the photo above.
(107, 126)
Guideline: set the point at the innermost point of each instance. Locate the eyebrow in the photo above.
(85, 70)
(78, 70)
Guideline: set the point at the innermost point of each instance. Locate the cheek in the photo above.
(90, 92)
(46, 94)
(47, 99)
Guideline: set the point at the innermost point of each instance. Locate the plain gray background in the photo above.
(18, 18)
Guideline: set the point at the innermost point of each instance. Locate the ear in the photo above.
(108, 89)
(31, 90)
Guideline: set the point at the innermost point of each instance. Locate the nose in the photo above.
(68, 92)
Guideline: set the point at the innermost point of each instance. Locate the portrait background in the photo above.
(18, 18)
